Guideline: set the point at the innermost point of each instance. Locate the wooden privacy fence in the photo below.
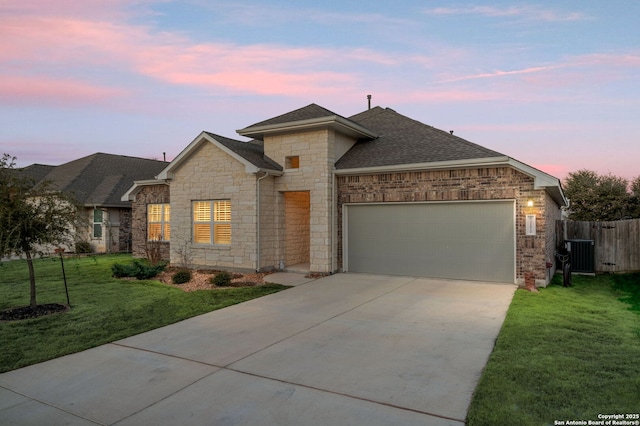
(616, 244)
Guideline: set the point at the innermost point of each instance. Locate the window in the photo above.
(212, 222)
(292, 162)
(97, 223)
(158, 222)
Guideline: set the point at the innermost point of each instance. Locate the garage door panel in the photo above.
(463, 240)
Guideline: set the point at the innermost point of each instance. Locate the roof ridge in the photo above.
(377, 109)
(298, 114)
(128, 156)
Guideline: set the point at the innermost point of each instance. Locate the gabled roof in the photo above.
(310, 117)
(308, 112)
(252, 151)
(251, 154)
(101, 179)
(402, 140)
(37, 172)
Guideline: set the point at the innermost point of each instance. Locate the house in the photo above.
(97, 182)
(377, 192)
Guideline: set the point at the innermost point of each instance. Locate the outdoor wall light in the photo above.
(530, 203)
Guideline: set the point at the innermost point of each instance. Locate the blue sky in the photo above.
(554, 84)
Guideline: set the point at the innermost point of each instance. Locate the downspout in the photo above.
(258, 220)
(334, 212)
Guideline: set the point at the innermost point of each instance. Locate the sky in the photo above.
(553, 84)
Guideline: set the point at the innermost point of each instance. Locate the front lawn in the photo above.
(565, 354)
(104, 309)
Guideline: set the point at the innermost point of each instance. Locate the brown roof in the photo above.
(37, 172)
(308, 112)
(101, 179)
(402, 140)
(252, 151)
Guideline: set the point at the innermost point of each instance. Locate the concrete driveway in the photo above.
(349, 349)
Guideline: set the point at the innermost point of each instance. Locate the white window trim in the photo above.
(94, 223)
(163, 221)
(211, 223)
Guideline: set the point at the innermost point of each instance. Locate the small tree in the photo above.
(31, 217)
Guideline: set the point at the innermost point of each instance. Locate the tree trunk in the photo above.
(32, 280)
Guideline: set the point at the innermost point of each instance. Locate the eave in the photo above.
(202, 138)
(541, 180)
(334, 122)
(130, 195)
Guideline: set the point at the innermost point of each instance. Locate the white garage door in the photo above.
(458, 240)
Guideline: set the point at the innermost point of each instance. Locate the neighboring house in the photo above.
(97, 183)
(377, 192)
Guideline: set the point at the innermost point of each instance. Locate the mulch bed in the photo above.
(201, 279)
(26, 312)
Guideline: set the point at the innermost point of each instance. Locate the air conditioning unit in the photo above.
(582, 255)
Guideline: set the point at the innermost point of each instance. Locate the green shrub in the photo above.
(222, 279)
(83, 247)
(138, 269)
(121, 270)
(147, 271)
(181, 277)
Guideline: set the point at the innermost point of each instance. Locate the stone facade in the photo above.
(317, 151)
(271, 223)
(141, 247)
(494, 183)
(124, 234)
(211, 174)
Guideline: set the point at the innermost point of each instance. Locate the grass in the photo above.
(564, 354)
(104, 309)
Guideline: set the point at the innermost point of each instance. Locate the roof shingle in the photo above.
(308, 112)
(101, 179)
(403, 140)
(252, 151)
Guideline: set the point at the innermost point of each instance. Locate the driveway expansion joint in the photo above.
(49, 404)
(359, 398)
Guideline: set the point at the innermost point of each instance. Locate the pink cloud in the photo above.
(67, 38)
(59, 43)
(45, 90)
(529, 13)
(499, 73)
(111, 9)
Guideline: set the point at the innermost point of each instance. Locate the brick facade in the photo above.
(494, 183)
(148, 194)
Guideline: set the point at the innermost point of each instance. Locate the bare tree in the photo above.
(182, 250)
